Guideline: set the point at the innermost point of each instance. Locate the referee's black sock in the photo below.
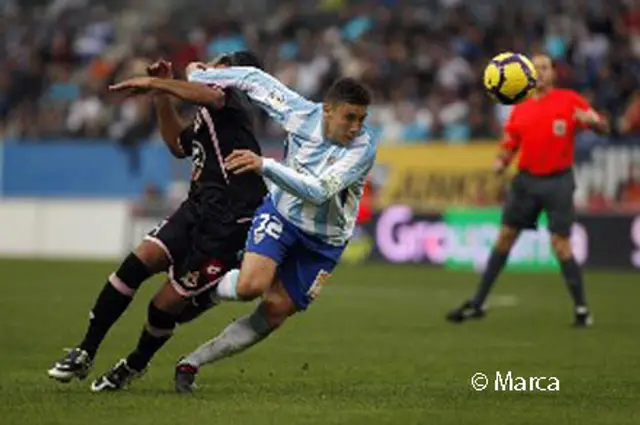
(573, 277)
(115, 297)
(496, 263)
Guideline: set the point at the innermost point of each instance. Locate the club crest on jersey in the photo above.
(559, 127)
(198, 158)
(276, 98)
(190, 280)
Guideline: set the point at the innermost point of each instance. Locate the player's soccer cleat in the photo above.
(117, 378)
(583, 318)
(185, 378)
(76, 364)
(464, 312)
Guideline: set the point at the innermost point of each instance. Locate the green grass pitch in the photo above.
(373, 349)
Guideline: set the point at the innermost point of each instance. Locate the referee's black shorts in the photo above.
(530, 194)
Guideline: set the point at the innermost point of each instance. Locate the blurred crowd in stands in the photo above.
(423, 59)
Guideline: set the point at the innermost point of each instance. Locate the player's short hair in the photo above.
(348, 90)
(240, 58)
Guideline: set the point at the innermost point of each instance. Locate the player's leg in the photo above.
(561, 212)
(112, 301)
(162, 314)
(164, 243)
(240, 335)
(520, 212)
(195, 275)
(301, 277)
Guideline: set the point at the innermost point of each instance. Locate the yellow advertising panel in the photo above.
(434, 177)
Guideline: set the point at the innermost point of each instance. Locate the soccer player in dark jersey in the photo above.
(542, 129)
(196, 245)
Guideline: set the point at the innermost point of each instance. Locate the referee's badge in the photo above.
(559, 128)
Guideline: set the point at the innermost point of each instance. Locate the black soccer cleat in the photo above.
(583, 318)
(465, 312)
(76, 364)
(185, 378)
(117, 378)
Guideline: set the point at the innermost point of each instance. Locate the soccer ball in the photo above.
(510, 78)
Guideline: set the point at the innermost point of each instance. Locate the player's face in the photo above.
(544, 67)
(344, 121)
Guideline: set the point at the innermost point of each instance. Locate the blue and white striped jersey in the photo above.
(319, 186)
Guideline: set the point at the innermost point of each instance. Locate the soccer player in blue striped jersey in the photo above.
(301, 230)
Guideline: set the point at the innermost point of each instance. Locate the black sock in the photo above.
(108, 308)
(496, 263)
(573, 277)
(111, 302)
(148, 346)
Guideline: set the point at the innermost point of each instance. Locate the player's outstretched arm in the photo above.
(317, 190)
(281, 103)
(198, 94)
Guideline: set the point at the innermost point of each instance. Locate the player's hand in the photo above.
(137, 85)
(160, 69)
(242, 161)
(194, 66)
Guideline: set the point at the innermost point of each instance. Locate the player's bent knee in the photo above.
(169, 300)
(130, 275)
(153, 257)
(159, 322)
(256, 276)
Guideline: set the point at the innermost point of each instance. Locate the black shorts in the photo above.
(200, 247)
(529, 195)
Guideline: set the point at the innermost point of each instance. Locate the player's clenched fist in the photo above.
(160, 69)
(242, 161)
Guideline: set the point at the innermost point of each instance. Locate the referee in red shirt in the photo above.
(542, 129)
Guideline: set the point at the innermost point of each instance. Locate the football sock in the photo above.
(148, 346)
(156, 333)
(573, 277)
(226, 289)
(496, 263)
(113, 300)
(237, 337)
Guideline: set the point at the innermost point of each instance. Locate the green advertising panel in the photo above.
(473, 232)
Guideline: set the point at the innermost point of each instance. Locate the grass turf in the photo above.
(374, 349)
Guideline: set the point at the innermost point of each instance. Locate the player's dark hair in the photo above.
(348, 90)
(240, 58)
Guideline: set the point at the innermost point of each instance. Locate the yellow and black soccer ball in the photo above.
(510, 78)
